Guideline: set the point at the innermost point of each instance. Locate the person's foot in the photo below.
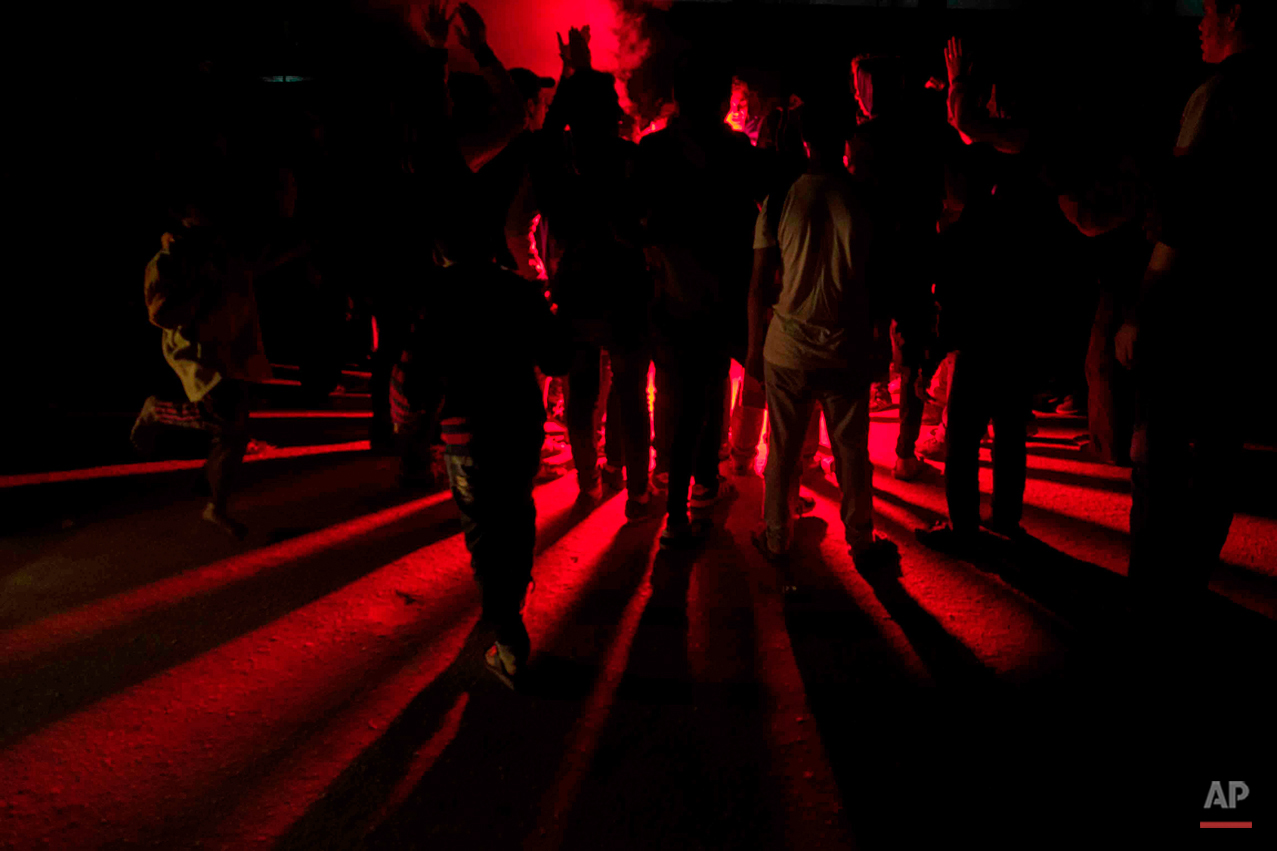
(1070, 406)
(908, 469)
(875, 555)
(613, 477)
(641, 507)
(682, 533)
(591, 492)
(933, 449)
(760, 540)
(661, 480)
(702, 499)
(880, 398)
(504, 663)
(804, 505)
(145, 427)
(944, 538)
(1014, 531)
(225, 524)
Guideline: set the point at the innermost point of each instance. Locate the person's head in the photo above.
(1231, 26)
(878, 83)
(591, 106)
(703, 90)
(535, 91)
(824, 130)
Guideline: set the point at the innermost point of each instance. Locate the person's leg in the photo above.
(968, 417)
(789, 406)
(1101, 362)
(687, 405)
(227, 408)
(747, 423)
(628, 417)
(715, 392)
(846, 405)
(661, 428)
(1010, 404)
(911, 405)
(498, 516)
(582, 398)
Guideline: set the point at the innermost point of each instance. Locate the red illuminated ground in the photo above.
(319, 686)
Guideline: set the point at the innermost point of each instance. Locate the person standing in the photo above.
(1201, 317)
(818, 344)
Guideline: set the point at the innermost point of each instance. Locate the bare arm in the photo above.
(1160, 267)
(480, 147)
(968, 116)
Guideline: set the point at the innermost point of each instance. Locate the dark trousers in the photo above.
(492, 487)
(986, 386)
(629, 424)
(1108, 409)
(1184, 468)
(912, 358)
(691, 377)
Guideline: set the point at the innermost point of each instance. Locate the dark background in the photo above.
(90, 99)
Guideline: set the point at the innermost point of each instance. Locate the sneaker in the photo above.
(591, 494)
(933, 449)
(703, 500)
(880, 398)
(504, 663)
(759, 539)
(1014, 531)
(878, 553)
(641, 507)
(1069, 406)
(805, 505)
(908, 469)
(613, 477)
(944, 538)
(684, 534)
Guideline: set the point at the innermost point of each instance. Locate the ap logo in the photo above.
(1237, 791)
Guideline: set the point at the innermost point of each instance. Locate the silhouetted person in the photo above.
(817, 346)
(477, 369)
(1204, 313)
(584, 182)
(700, 180)
(199, 290)
(991, 315)
(898, 155)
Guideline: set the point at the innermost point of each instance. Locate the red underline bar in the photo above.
(1225, 824)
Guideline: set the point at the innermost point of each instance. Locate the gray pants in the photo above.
(844, 395)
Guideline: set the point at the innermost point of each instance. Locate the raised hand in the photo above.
(953, 59)
(434, 22)
(576, 53)
(473, 32)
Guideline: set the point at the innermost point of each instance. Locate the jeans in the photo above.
(844, 396)
(1185, 462)
(492, 487)
(629, 426)
(986, 386)
(691, 378)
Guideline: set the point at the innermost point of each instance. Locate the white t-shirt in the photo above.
(822, 319)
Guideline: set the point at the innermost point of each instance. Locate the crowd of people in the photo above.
(865, 228)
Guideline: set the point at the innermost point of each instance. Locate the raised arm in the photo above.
(480, 147)
(969, 117)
